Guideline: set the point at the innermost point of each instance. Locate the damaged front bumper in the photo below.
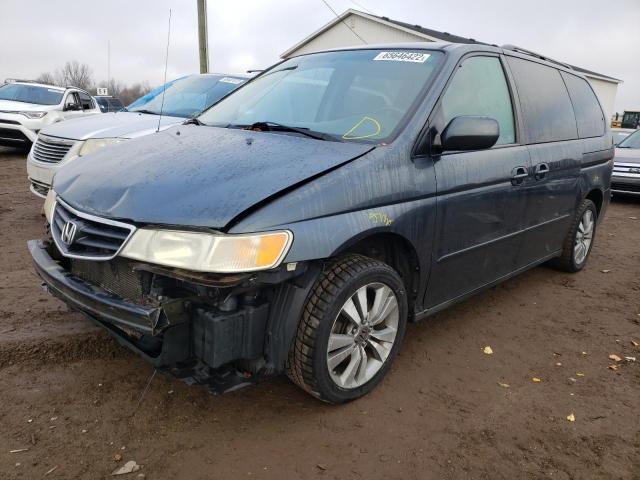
(225, 336)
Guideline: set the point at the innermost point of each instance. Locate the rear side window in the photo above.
(479, 87)
(585, 104)
(546, 108)
(85, 100)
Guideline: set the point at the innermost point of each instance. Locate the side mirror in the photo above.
(72, 107)
(470, 133)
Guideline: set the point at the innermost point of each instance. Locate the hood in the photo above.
(628, 155)
(110, 125)
(195, 175)
(11, 106)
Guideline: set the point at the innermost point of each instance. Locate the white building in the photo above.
(354, 28)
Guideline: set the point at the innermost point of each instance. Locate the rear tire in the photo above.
(579, 240)
(350, 331)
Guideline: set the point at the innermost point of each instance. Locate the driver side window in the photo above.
(72, 99)
(480, 88)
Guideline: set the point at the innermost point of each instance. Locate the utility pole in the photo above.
(202, 36)
(108, 65)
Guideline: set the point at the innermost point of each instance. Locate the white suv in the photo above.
(26, 108)
(178, 100)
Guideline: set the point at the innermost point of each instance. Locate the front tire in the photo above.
(350, 331)
(579, 240)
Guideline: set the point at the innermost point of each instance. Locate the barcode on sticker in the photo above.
(403, 57)
(235, 81)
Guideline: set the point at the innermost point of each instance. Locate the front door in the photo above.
(480, 201)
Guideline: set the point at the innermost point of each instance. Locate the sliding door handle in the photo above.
(541, 170)
(518, 175)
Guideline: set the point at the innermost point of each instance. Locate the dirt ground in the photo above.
(69, 394)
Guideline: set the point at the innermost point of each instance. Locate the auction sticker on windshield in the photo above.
(235, 81)
(403, 56)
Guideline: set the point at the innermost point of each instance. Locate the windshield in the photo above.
(18, 92)
(186, 96)
(357, 95)
(632, 141)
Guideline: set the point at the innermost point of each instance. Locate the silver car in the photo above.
(626, 167)
(60, 144)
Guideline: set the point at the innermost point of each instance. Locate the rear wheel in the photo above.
(350, 330)
(579, 241)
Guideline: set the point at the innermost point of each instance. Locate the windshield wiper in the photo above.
(278, 127)
(192, 121)
(144, 111)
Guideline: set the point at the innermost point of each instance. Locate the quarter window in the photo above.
(589, 115)
(546, 108)
(480, 88)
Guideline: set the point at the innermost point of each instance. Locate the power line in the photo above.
(359, 5)
(345, 23)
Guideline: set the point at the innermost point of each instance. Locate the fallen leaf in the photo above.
(613, 367)
(615, 357)
(605, 271)
(487, 350)
(579, 374)
(536, 380)
(634, 343)
(633, 218)
(630, 359)
(117, 457)
(129, 467)
(503, 385)
(19, 450)
(584, 353)
(558, 364)
(571, 417)
(321, 466)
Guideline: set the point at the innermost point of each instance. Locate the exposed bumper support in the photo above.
(87, 298)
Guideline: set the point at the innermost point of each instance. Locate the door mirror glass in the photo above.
(470, 133)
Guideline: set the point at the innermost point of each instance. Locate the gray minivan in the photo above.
(297, 225)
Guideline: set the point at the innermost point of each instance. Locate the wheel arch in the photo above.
(393, 249)
(597, 197)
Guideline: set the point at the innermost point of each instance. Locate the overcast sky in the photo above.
(40, 35)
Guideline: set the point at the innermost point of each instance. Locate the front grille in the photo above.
(39, 187)
(13, 135)
(626, 169)
(81, 235)
(50, 149)
(116, 276)
(625, 187)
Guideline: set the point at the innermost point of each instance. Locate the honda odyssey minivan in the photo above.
(298, 225)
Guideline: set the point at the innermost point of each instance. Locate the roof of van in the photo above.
(430, 34)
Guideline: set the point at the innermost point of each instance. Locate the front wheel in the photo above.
(350, 330)
(579, 241)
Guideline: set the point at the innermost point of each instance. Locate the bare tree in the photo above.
(76, 74)
(47, 78)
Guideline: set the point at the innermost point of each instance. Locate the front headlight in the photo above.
(207, 252)
(96, 143)
(33, 115)
(49, 205)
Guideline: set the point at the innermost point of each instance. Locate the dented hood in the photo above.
(195, 175)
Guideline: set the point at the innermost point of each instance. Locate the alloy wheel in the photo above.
(584, 237)
(362, 335)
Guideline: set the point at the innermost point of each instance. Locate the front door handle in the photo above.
(518, 175)
(541, 170)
